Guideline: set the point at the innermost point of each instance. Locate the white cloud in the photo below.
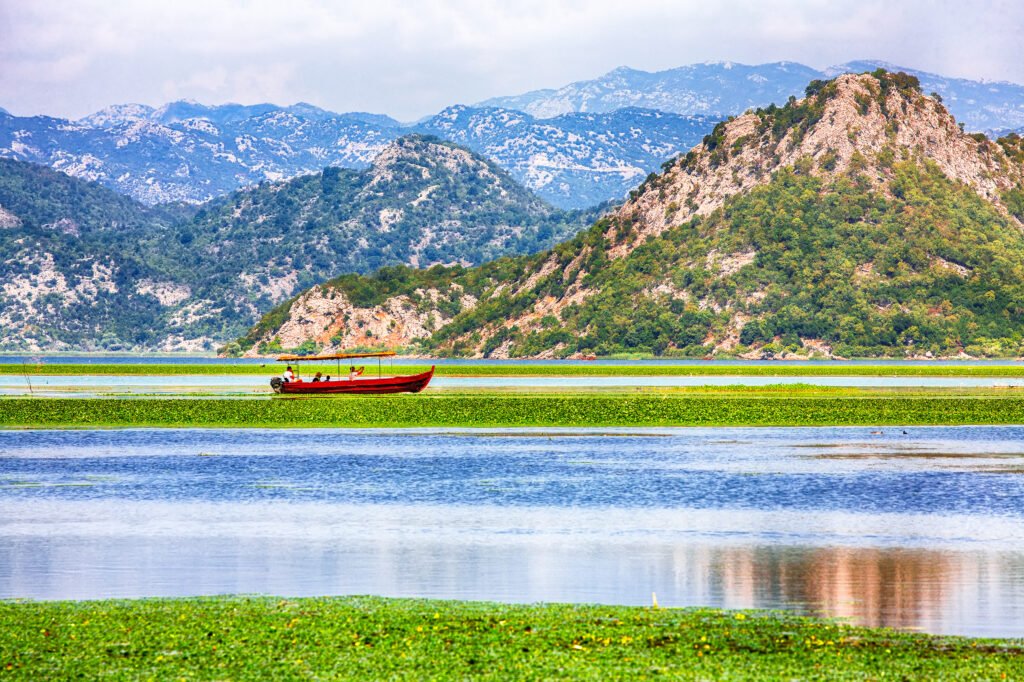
(219, 84)
(408, 59)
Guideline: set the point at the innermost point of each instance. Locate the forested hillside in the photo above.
(89, 269)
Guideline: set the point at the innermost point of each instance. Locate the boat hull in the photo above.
(414, 383)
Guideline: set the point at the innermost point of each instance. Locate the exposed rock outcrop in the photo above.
(328, 318)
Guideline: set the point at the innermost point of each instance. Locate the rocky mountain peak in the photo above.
(117, 114)
(861, 123)
(426, 158)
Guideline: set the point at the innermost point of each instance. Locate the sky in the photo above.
(411, 59)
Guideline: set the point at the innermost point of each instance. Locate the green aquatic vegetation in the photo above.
(522, 409)
(374, 638)
(924, 369)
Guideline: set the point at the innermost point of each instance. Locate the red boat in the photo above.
(413, 383)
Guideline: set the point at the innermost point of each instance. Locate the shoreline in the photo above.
(372, 638)
(514, 370)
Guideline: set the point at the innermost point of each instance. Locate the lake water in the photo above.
(918, 528)
(225, 384)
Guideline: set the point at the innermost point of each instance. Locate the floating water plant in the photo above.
(373, 638)
(726, 408)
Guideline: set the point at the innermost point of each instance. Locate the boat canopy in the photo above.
(339, 356)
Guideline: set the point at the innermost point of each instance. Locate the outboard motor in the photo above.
(276, 383)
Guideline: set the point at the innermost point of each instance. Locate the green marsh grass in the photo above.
(495, 409)
(372, 638)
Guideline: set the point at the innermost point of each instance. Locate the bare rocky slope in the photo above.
(860, 220)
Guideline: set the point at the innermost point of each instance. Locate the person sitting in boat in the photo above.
(353, 372)
(327, 378)
(317, 377)
(288, 375)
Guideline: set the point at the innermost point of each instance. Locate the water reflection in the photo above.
(973, 593)
(929, 590)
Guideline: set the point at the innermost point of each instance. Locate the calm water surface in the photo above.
(916, 528)
(92, 385)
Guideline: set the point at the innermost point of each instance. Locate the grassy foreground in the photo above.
(779, 369)
(724, 408)
(372, 638)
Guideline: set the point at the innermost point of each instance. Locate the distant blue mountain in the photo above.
(190, 152)
(575, 146)
(724, 88)
(715, 89)
(129, 149)
(576, 159)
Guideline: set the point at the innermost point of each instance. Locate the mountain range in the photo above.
(720, 89)
(86, 268)
(573, 160)
(716, 89)
(188, 152)
(859, 220)
(132, 150)
(575, 146)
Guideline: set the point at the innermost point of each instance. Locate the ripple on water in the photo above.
(922, 529)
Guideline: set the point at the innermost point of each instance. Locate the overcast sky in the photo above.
(410, 59)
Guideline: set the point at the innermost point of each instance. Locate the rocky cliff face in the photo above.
(866, 190)
(327, 317)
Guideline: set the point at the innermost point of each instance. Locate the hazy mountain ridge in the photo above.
(859, 220)
(90, 269)
(187, 151)
(715, 89)
(191, 152)
(720, 89)
(575, 159)
(192, 159)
